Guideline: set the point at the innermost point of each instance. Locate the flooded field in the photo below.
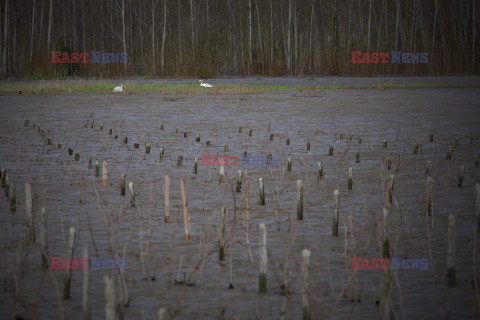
(390, 129)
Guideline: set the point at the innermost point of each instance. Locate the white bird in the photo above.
(118, 89)
(205, 85)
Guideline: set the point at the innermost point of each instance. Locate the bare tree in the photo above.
(33, 29)
(5, 39)
(50, 17)
(193, 37)
(164, 34)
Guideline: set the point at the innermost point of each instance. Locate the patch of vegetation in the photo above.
(84, 87)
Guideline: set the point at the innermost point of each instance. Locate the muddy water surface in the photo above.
(347, 120)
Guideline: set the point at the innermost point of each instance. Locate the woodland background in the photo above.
(211, 38)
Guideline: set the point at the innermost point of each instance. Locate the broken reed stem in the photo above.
(385, 289)
(385, 144)
(180, 161)
(163, 314)
(262, 276)
(289, 164)
(460, 176)
(428, 169)
(109, 298)
(305, 285)
(68, 277)
(429, 197)
(239, 181)
(12, 196)
(132, 194)
(386, 241)
(320, 171)
(357, 157)
(167, 199)
(477, 205)
(336, 212)
(390, 190)
(3, 175)
(186, 216)
(28, 207)
(104, 173)
(350, 178)
(299, 200)
(287, 142)
(43, 237)
(162, 152)
(222, 172)
(222, 235)
(449, 154)
(262, 192)
(7, 187)
(451, 250)
(308, 146)
(87, 312)
(89, 163)
(195, 166)
(97, 169)
(122, 185)
(475, 162)
(147, 148)
(330, 151)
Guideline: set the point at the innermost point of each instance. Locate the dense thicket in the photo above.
(208, 38)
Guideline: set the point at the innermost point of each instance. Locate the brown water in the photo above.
(74, 197)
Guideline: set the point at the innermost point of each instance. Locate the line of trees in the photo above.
(207, 38)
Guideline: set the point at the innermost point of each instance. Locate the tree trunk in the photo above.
(271, 36)
(380, 27)
(289, 31)
(250, 61)
(295, 30)
(310, 51)
(397, 21)
(474, 36)
(164, 34)
(208, 17)
(140, 32)
(83, 26)
(123, 34)
(40, 33)
(33, 31)
(74, 24)
(193, 38)
(235, 55)
(369, 25)
(260, 54)
(50, 15)
(5, 39)
(179, 39)
(154, 4)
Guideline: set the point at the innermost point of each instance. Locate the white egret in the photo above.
(205, 85)
(118, 89)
